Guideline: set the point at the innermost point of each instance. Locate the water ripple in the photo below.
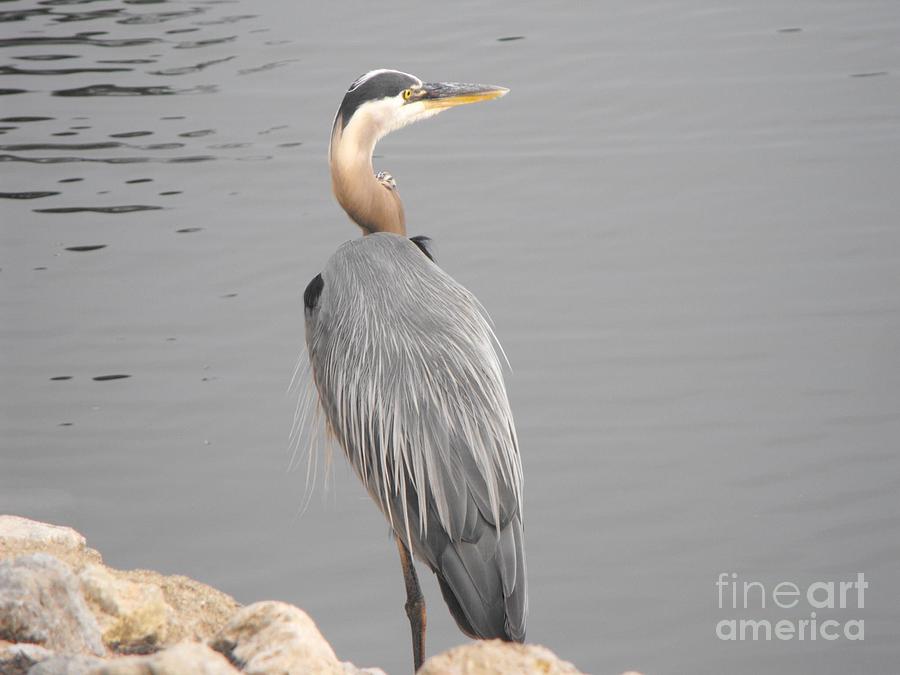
(125, 208)
(158, 17)
(226, 20)
(102, 145)
(27, 195)
(116, 90)
(185, 70)
(67, 17)
(198, 133)
(13, 70)
(108, 160)
(85, 248)
(26, 118)
(135, 61)
(21, 14)
(194, 44)
(45, 57)
(78, 39)
(266, 66)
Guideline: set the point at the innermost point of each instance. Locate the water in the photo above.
(683, 220)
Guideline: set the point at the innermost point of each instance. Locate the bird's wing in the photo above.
(405, 364)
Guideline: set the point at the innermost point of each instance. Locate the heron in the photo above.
(409, 377)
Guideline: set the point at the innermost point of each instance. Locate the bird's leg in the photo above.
(415, 604)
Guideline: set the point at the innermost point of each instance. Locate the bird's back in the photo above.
(411, 385)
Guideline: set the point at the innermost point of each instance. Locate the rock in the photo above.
(17, 659)
(197, 611)
(68, 665)
(495, 657)
(61, 608)
(134, 617)
(350, 669)
(269, 638)
(34, 532)
(142, 611)
(138, 611)
(274, 637)
(20, 536)
(41, 602)
(186, 658)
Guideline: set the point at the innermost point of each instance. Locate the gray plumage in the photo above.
(409, 378)
(407, 374)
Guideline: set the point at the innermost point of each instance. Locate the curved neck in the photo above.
(371, 204)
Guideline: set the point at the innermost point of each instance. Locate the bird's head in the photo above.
(375, 105)
(382, 101)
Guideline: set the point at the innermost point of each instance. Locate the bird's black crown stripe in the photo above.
(312, 292)
(382, 85)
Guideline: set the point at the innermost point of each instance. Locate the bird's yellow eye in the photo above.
(406, 94)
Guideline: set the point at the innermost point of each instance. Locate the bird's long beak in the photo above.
(442, 95)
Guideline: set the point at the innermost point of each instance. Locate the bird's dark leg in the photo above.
(415, 604)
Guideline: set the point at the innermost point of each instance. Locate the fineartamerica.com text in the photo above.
(788, 599)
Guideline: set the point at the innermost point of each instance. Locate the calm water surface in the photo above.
(683, 219)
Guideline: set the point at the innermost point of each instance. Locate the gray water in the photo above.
(683, 220)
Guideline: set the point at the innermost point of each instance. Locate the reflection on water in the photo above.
(682, 221)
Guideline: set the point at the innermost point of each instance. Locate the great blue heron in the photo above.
(409, 379)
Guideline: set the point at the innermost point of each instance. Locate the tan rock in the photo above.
(41, 603)
(20, 536)
(198, 611)
(350, 669)
(16, 527)
(134, 617)
(72, 604)
(495, 657)
(139, 611)
(67, 665)
(186, 658)
(275, 637)
(17, 659)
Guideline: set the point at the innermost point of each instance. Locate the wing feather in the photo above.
(410, 381)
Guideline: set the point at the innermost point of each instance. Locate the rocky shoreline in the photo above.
(63, 612)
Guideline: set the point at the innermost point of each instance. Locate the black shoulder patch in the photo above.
(312, 292)
(422, 242)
